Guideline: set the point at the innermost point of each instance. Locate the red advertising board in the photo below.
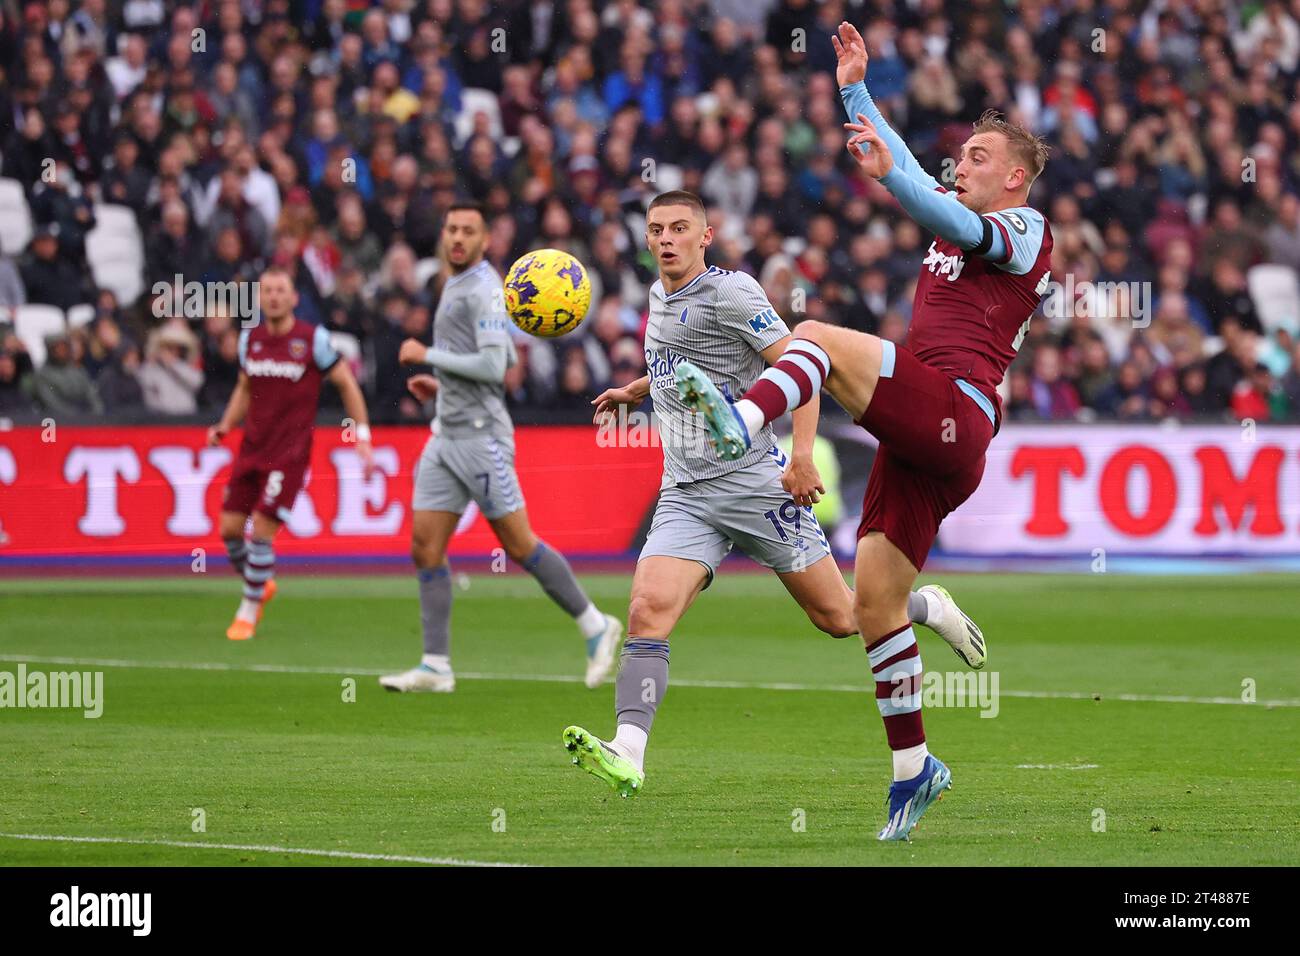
(1146, 489)
(109, 493)
(115, 492)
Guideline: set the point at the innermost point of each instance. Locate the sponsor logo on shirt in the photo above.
(660, 367)
(944, 265)
(763, 320)
(270, 368)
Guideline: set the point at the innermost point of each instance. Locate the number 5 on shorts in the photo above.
(274, 485)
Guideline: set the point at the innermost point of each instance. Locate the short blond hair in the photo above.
(1025, 146)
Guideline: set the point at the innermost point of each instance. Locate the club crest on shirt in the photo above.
(297, 349)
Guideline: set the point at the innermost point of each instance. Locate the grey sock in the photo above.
(435, 609)
(917, 609)
(642, 681)
(556, 578)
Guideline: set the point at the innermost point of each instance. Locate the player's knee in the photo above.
(521, 552)
(232, 525)
(648, 614)
(812, 330)
(874, 610)
(838, 623)
(424, 554)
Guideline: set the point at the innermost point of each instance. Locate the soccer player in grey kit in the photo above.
(471, 456)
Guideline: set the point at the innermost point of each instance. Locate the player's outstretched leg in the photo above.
(934, 607)
(847, 363)
(602, 632)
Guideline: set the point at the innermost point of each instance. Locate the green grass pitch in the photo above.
(767, 725)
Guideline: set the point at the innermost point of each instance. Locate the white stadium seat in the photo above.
(80, 315)
(347, 345)
(668, 177)
(425, 270)
(15, 218)
(1275, 290)
(32, 323)
(473, 101)
(115, 220)
(115, 252)
(123, 277)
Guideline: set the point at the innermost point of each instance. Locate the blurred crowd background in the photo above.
(149, 139)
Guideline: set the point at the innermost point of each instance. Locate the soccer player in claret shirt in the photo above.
(282, 361)
(932, 402)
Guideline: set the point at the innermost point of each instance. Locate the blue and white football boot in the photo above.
(729, 434)
(908, 799)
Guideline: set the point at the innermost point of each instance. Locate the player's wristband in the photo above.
(429, 355)
(363, 433)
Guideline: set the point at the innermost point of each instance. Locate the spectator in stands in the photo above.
(125, 181)
(171, 376)
(1053, 395)
(60, 201)
(15, 364)
(1127, 397)
(61, 386)
(12, 293)
(51, 278)
(118, 382)
(1283, 237)
(174, 247)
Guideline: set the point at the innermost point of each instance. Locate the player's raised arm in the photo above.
(940, 213)
(851, 73)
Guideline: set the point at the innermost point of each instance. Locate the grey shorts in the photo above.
(747, 508)
(452, 471)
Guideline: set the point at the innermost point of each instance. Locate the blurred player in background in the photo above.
(471, 457)
(282, 361)
(761, 502)
(932, 403)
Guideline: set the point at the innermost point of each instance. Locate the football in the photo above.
(547, 292)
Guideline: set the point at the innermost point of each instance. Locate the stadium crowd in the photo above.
(328, 136)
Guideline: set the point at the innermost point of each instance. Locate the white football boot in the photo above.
(601, 663)
(420, 679)
(963, 634)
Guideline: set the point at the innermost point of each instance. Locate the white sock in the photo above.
(248, 610)
(630, 742)
(437, 662)
(908, 763)
(933, 612)
(591, 622)
(751, 415)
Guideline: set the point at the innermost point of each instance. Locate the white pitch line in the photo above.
(573, 679)
(250, 848)
(1057, 766)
